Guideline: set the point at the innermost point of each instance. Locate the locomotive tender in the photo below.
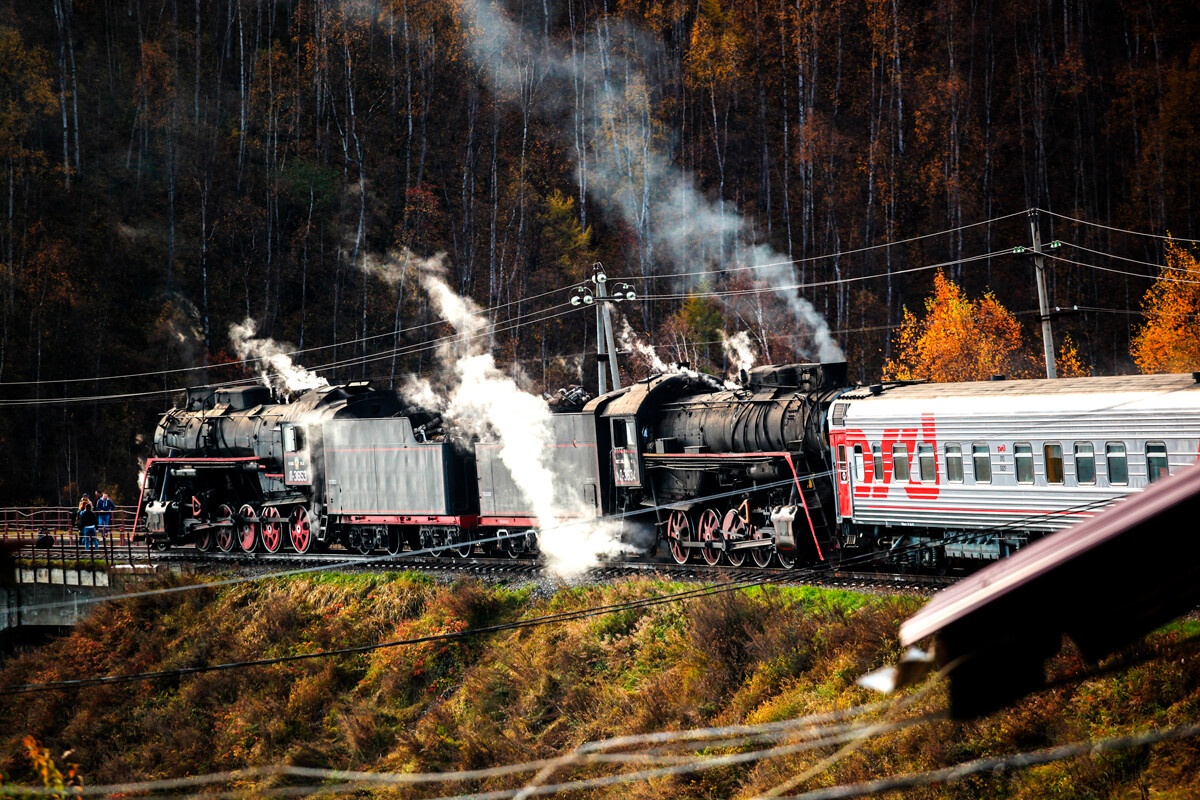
(793, 465)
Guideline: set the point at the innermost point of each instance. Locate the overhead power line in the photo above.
(830, 282)
(1139, 262)
(1116, 230)
(290, 353)
(433, 344)
(493, 309)
(835, 255)
(1142, 275)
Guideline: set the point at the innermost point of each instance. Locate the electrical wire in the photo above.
(1150, 264)
(830, 282)
(1115, 230)
(1120, 271)
(535, 317)
(493, 309)
(999, 764)
(812, 725)
(1141, 313)
(433, 344)
(568, 616)
(407, 553)
(292, 353)
(835, 255)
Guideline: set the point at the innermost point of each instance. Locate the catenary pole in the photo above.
(1039, 264)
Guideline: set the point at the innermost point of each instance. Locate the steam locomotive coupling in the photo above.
(791, 464)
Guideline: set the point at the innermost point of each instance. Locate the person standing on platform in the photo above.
(104, 509)
(85, 521)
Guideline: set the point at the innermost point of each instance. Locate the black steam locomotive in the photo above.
(723, 472)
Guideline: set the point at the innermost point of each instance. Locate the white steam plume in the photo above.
(620, 156)
(484, 400)
(740, 350)
(629, 341)
(278, 370)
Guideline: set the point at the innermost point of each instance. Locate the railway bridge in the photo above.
(50, 577)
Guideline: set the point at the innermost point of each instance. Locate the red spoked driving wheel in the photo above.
(205, 538)
(679, 532)
(735, 525)
(270, 530)
(761, 555)
(709, 529)
(226, 535)
(248, 529)
(300, 530)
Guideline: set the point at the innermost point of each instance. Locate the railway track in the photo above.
(499, 570)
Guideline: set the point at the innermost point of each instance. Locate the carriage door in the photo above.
(624, 452)
(837, 440)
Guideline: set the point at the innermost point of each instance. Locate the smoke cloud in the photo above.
(739, 350)
(630, 342)
(620, 153)
(483, 400)
(277, 370)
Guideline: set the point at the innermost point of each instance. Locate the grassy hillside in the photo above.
(752, 656)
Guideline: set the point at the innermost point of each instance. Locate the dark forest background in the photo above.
(170, 167)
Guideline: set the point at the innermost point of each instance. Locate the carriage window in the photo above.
(1054, 462)
(1118, 467)
(954, 463)
(859, 473)
(1156, 461)
(927, 462)
(620, 439)
(982, 457)
(1023, 458)
(877, 457)
(1085, 463)
(900, 462)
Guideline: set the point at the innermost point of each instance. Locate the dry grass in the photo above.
(475, 702)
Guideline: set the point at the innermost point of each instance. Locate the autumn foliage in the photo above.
(1169, 341)
(169, 171)
(958, 339)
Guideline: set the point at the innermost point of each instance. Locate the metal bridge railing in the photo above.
(46, 536)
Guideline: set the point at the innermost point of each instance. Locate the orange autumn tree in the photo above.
(1169, 341)
(1070, 364)
(958, 339)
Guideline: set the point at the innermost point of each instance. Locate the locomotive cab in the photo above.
(297, 462)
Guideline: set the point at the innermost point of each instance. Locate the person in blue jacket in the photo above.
(104, 509)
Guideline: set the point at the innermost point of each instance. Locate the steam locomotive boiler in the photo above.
(235, 469)
(744, 469)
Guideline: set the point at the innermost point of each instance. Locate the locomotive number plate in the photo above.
(296, 470)
(625, 468)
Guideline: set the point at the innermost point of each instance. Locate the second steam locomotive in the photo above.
(793, 465)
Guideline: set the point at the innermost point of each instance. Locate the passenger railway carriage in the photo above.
(986, 466)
